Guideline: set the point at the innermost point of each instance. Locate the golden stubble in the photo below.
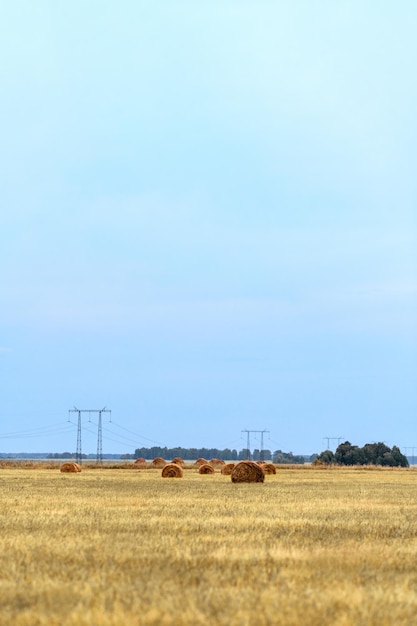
(109, 547)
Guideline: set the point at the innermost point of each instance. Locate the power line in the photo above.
(158, 443)
(36, 432)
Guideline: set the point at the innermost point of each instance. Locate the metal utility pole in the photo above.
(99, 440)
(262, 445)
(329, 439)
(412, 448)
(78, 455)
(248, 432)
(261, 432)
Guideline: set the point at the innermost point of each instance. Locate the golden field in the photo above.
(128, 547)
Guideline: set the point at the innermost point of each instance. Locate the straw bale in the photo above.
(247, 472)
(179, 461)
(141, 462)
(206, 469)
(70, 467)
(227, 468)
(158, 462)
(217, 463)
(172, 470)
(199, 462)
(269, 468)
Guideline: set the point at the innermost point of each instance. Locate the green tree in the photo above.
(327, 456)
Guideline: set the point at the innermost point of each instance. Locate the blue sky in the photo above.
(208, 222)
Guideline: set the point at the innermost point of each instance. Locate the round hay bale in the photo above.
(179, 461)
(172, 470)
(247, 472)
(269, 468)
(141, 462)
(199, 462)
(206, 469)
(227, 468)
(70, 468)
(158, 462)
(217, 463)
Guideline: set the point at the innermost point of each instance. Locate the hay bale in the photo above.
(158, 462)
(200, 462)
(172, 470)
(247, 472)
(269, 468)
(227, 468)
(206, 469)
(179, 461)
(217, 463)
(70, 468)
(141, 462)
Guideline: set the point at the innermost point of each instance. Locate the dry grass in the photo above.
(310, 546)
(20, 464)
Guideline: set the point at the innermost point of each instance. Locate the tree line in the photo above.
(369, 454)
(227, 454)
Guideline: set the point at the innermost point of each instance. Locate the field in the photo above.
(128, 547)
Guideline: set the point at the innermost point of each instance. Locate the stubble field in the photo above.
(127, 547)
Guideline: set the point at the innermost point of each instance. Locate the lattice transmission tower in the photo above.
(78, 454)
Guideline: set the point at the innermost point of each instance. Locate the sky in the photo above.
(208, 223)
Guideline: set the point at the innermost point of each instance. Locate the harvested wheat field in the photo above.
(115, 547)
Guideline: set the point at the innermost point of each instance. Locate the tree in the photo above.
(327, 457)
(399, 458)
(346, 454)
(371, 454)
(287, 458)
